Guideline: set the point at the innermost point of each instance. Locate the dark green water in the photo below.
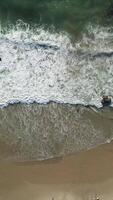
(69, 15)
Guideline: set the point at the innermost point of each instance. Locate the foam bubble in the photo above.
(42, 66)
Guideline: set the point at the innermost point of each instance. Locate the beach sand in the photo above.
(84, 176)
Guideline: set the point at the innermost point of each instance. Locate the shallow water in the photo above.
(37, 132)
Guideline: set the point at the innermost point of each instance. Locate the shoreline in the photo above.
(84, 176)
(47, 102)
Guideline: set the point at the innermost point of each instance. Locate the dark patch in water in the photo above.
(103, 54)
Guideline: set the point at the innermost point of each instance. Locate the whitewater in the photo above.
(42, 66)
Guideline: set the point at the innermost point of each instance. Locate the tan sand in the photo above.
(84, 176)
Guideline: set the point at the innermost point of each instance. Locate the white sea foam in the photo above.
(42, 66)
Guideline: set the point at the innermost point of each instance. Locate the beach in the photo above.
(56, 65)
(83, 176)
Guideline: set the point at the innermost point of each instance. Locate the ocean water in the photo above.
(54, 56)
(69, 15)
(38, 132)
(41, 66)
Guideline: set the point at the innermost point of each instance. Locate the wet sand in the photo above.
(85, 175)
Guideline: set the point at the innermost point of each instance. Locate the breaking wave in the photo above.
(41, 66)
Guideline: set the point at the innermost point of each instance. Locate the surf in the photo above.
(42, 66)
